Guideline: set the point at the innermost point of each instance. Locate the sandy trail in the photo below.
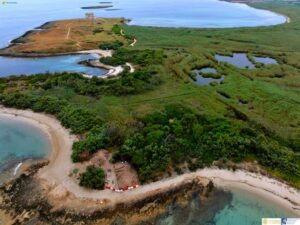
(133, 43)
(131, 67)
(113, 71)
(68, 33)
(55, 176)
(99, 52)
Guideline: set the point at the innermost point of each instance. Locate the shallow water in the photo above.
(204, 81)
(208, 70)
(248, 209)
(236, 207)
(27, 14)
(265, 60)
(238, 59)
(19, 141)
(26, 66)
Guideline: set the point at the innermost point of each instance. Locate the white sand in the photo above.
(103, 53)
(131, 67)
(56, 181)
(113, 71)
(133, 43)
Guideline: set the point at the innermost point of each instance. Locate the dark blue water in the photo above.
(27, 14)
(26, 66)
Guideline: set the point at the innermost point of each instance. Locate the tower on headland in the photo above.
(90, 16)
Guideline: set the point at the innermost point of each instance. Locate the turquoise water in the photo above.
(26, 66)
(19, 141)
(28, 14)
(248, 209)
(236, 207)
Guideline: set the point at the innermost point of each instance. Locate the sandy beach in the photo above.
(113, 71)
(60, 187)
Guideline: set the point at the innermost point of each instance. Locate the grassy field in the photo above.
(275, 102)
(70, 36)
(271, 94)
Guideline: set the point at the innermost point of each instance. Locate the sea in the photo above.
(19, 16)
(20, 141)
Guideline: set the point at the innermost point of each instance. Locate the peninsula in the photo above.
(157, 135)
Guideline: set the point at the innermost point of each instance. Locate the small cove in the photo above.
(27, 66)
(234, 207)
(19, 141)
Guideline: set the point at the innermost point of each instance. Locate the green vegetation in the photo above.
(161, 119)
(98, 138)
(79, 120)
(98, 30)
(111, 45)
(177, 135)
(117, 29)
(142, 58)
(93, 177)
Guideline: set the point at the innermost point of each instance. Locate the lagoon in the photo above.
(26, 66)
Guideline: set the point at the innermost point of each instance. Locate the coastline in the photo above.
(112, 71)
(64, 191)
(265, 187)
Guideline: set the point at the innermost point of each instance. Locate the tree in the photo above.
(93, 177)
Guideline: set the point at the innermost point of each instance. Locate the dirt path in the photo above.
(131, 67)
(113, 71)
(133, 43)
(68, 34)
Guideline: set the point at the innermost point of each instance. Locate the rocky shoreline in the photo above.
(24, 38)
(24, 202)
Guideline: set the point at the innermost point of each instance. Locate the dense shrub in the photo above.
(116, 29)
(113, 45)
(77, 119)
(139, 57)
(128, 83)
(97, 30)
(93, 177)
(98, 138)
(176, 134)
(80, 120)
